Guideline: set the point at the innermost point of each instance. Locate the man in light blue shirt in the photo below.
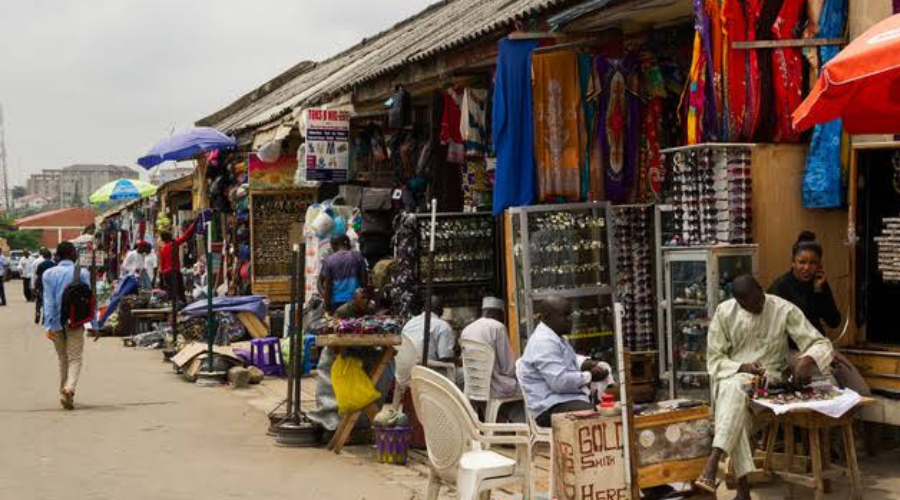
(4, 268)
(554, 378)
(69, 343)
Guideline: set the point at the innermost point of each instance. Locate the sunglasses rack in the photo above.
(633, 236)
(711, 192)
(888, 244)
(463, 245)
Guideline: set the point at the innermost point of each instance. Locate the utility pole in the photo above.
(4, 174)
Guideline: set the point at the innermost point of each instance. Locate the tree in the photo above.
(19, 238)
(18, 192)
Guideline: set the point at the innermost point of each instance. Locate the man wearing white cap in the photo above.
(490, 330)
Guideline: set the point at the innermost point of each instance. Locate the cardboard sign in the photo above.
(589, 457)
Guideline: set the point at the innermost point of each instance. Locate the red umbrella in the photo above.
(861, 85)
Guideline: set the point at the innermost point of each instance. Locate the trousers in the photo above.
(69, 348)
(733, 421)
(544, 419)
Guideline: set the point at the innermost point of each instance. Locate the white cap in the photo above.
(492, 303)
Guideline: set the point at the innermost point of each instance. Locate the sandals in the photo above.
(67, 400)
(706, 485)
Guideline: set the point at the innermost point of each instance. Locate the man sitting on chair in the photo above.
(554, 378)
(748, 336)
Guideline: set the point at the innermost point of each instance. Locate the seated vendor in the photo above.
(358, 307)
(553, 378)
(490, 330)
(442, 345)
(748, 337)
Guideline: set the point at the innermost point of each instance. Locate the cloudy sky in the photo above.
(99, 81)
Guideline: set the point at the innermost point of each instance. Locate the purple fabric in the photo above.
(618, 188)
(710, 111)
(255, 304)
(896, 6)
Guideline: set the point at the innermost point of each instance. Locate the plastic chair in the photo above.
(455, 439)
(536, 433)
(265, 354)
(309, 341)
(478, 370)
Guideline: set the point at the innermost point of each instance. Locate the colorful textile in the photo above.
(654, 90)
(694, 94)
(620, 126)
(473, 124)
(787, 72)
(822, 179)
(512, 122)
(754, 92)
(768, 12)
(451, 134)
(586, 76)
(558, 120)
(734, 26)
(716, 50)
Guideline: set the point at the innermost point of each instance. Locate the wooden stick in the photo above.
(799, 42)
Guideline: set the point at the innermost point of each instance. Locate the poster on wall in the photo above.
(327, 145)
(275, 175)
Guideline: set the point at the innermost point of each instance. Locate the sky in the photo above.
(100, 81)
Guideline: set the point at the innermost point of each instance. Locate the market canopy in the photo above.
(186, 145)
(122, 189)
(861, 85)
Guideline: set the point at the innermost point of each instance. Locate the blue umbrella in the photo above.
(185, 145)
(122, 189)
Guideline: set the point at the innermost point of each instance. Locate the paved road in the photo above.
(138, 432)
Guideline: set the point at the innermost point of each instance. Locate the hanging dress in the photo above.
(787, 76)
(754, 97)
(734, 26)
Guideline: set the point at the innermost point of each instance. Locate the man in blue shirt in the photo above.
(342, 273)
(554, 378)
(69, 344)
(4, 268)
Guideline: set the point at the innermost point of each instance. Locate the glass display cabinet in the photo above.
(696, 281)
(562, 249)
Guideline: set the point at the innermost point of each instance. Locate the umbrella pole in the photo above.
(429, 282)
(210, 321)
(292, 413)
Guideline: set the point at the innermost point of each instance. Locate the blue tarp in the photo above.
(249, 303)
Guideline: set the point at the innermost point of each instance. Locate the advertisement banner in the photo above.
(327, 145)
(276, 175)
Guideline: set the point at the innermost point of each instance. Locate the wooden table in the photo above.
(339, 343)
(819, 427)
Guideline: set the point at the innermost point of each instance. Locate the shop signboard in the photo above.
(327, 144)
(589, 457)
(271, 175)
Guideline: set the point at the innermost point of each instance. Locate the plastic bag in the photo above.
(352, 387)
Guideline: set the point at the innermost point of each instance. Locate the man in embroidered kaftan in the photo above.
(748, 336)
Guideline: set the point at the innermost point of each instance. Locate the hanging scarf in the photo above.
(589, 109)
(754, 96)
(693, 94)
(650, 184)
(734, 26)
(703, 25)
(822, 179)
(787, 76)
(620, 126)
(716, 49)
(558, 118)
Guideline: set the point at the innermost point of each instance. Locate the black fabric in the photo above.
(375, 248)
(575, 405)
(400, 114)
(818, 307)
(377, 212)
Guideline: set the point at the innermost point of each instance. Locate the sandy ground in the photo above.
(139, 432)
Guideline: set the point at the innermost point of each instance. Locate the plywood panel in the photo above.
(779, 217)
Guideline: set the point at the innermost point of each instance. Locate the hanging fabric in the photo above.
(704, 26)
(754, 95)
(588, 88)
(473, 123)
(716, 50)
(734, 29)
(620, 126)
(558, 121)
(822, 179)
(787, 75)
(654, 90)
(513, 125)
(693, 95)
(450, 127)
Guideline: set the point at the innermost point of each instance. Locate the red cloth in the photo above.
(787, 71)
(168, 252)
(754, 93)
(859, 85)
(450, 118)
(734, 26)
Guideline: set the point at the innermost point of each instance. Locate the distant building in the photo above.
(58, 225)
(162, 175)
(72, 186)
(32, 202)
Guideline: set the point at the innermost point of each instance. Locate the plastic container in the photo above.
(392, 444)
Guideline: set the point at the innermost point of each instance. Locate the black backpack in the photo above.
(77, 302)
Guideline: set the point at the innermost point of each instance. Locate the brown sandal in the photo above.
(67, 400)
(706, 485)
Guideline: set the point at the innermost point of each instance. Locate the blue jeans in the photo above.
(128, 286)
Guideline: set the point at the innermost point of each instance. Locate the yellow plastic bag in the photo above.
(352, 387)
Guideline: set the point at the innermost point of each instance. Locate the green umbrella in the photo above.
(123, 189)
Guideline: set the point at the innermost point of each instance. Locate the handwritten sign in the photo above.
(589, 457)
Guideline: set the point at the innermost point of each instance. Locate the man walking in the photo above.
(4, 268)
(69, 343)
(37, 286)
(26, 270)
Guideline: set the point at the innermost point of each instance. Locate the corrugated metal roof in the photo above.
(440, 27)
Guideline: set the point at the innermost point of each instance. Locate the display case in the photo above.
(562, 250)
(696, 281)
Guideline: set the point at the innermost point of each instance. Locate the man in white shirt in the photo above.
(442, 344)
(26, 271)
(489, 329)
(150, 264)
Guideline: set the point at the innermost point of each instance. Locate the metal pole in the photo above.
(429, 282)
(292, 324)
(210, 321)
(299, 293)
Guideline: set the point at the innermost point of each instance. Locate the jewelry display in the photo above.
(888, 244)
(273, 216)
(463, 245)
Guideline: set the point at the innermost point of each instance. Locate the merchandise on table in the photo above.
(366, 325)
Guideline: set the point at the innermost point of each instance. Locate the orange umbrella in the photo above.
(861, 85)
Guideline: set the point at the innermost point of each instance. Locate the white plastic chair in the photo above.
(536, 433)
(478, 370)
(455, 438)
(406, 358)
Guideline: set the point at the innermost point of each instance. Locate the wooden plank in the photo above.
(798, 42)
(798, 479)
(671, 417)
(669, 472)
(255, 327)
(358, 340)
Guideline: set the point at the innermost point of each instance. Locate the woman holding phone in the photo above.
(806, 286)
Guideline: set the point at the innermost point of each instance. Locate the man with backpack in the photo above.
(68, 306)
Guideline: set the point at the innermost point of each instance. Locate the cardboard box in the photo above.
(589, 457)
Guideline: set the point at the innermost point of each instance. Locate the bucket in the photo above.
(392, 444)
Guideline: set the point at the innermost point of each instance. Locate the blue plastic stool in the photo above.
(265, 354)
(309, 341)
